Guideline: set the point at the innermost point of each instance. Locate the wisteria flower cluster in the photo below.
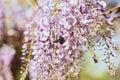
(60, 33)
(12, 21)
(6, 56)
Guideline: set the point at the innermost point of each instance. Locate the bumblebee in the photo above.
(61, 40)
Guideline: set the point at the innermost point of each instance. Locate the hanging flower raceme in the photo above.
(60, 33)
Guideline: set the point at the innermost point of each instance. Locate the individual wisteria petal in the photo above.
(103, 3)
(83, 8)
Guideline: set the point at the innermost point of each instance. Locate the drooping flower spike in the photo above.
(60, 33)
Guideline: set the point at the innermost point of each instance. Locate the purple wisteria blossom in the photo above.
(6, 56)
(60, 33)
